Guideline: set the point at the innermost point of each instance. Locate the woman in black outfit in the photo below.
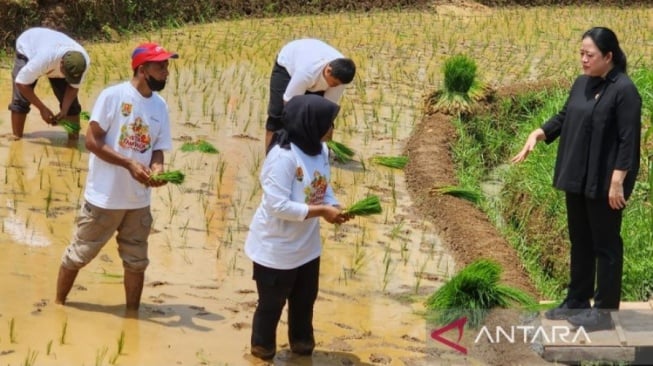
(596, 166)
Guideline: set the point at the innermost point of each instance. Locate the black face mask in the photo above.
(154, 84)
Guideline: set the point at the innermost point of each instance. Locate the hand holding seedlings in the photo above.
(335, 215)
(139, 171)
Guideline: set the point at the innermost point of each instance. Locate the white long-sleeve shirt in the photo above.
(305, 60)
(279, 235)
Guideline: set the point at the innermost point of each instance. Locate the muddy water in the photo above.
(199, 297)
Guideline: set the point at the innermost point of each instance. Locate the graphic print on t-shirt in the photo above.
(125, 109)
(135, 136)
(316, 191)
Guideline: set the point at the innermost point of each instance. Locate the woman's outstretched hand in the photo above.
(531, 141)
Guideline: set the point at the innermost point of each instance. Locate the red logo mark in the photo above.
(460, 325)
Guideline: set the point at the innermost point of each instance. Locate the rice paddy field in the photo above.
(199, 297)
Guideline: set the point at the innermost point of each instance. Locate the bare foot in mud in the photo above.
(11, 137)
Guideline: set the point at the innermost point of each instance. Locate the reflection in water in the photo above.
(19, 231)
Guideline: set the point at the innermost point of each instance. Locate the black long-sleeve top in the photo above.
(600, 130)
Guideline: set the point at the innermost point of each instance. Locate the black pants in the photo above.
(279, 80)
(596, 251)
(299, 287)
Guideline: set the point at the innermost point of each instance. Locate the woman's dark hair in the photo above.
(606, 41)
(306, 119)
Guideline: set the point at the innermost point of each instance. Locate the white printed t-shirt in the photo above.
(279, 235)
(135, 126)
(44, 49)
(305, 59)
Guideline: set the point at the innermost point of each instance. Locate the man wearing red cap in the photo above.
(127, 134)
(39, 52)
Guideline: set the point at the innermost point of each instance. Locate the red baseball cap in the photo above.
(147, 52)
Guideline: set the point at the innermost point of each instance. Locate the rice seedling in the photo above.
(370, 205)
(464, 193)
(100, 354)
(64, 331)
(359, 256)
(341, 152)
(460, 86)
(473, 292)
(256, 161)
(70, 126)
(12, 330)
(199, 145)
(419, 274)
(208, 219)
(30, 359)
(387, 262)
(120, 347)
(48, 201)
(393, 189)
(48, 348)
(222, 167)
(396, 162)
(172, 176)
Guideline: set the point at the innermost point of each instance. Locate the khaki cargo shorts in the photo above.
(96, 226)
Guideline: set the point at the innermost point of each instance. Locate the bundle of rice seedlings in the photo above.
(199, 145)
(472, 293)
(464, 193)
(369, 205)
(85, 115)
(341, 152)
(69, 126)
(396, 162)
(172, 176)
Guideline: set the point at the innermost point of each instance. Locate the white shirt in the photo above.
(135, 126)
(279, 235)
(44, 49)
(305, 60)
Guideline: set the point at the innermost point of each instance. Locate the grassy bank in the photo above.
(529, 211)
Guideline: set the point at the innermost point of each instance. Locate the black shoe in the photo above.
(592, 320)
(568, 308)
(302, 348)
(263, 353)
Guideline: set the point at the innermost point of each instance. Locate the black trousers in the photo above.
(299, 287)
(279, 80)
(596, 251)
